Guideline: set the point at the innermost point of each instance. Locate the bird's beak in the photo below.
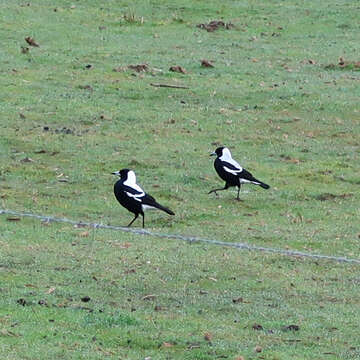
(116, 173)
(213, 154)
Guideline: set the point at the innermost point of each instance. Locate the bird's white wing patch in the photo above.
(148, 207)
(137, 197)
(131, 182)
(226, 156)
(235, 163)
(234, 172)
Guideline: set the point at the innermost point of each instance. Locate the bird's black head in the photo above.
(218, 152)
(122, 173)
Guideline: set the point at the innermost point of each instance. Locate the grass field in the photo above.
(283, 95)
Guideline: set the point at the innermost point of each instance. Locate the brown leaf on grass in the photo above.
(105, 352)
(206, 63)
(24, 49)
(31, 41)
(86, 87)
(130, 271)
(289, 159)
(258, 349)
(13, 218)
(26, 160)
(42, 151)
(51, 290)
(178, 69)
(139, 68)
(104, 117)
(167, 344)
(84, 234)
(343, 64)
(21, 301)
(158, 308)
(4, 332)
(208, 336)
(149, 297)
(290, 328)
(215, 25)
(341, 61)
(120, 69)
(251, 214)
(329, 196)
(238, 300)
(294, 161)
(125, 245)
(257, 327)
(30, 285)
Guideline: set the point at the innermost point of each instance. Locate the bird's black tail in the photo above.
(163, 208)
(260, 183)
(263, 185)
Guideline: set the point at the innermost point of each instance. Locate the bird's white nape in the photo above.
(131, 178)
(226, 154)
(131, 182)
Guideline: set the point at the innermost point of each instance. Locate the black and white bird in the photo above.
(132, 197)
(231, 172)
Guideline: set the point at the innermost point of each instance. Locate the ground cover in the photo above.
(282, 95)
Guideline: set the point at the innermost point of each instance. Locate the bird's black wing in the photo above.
(150, 201)
(230, 168)
(131, 190)
(246, 175)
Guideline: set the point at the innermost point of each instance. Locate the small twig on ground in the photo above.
(169, 86)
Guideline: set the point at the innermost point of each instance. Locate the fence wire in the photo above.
(190, 239)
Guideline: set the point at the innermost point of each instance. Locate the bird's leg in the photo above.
(143, 215)
(215, 190)
(136, 216)
(238, 199)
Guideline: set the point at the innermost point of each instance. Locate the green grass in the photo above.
(292, 122)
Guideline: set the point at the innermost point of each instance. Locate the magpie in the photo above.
(132, 197)
(231, 172)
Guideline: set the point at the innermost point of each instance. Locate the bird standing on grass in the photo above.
(131, 196)
(231, 172)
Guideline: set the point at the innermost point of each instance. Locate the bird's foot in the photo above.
(238, 199)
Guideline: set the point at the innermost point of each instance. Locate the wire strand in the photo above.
(190, 239)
